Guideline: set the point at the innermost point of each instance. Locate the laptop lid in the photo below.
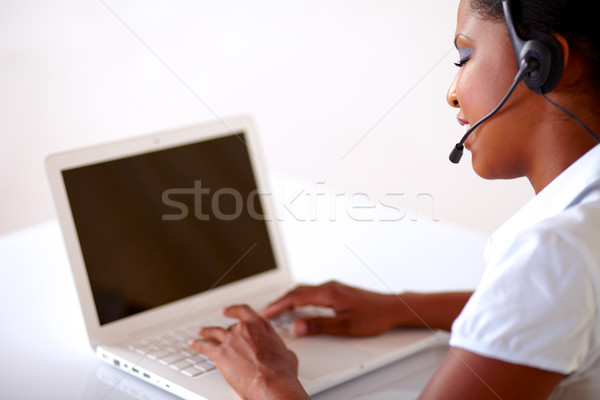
(166, 225)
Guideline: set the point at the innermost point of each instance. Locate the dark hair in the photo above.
(576, 20)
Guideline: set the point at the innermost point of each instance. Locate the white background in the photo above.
(347, 92)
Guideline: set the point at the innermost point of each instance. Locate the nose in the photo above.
(451, 96)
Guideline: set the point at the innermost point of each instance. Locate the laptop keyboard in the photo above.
(174, 351)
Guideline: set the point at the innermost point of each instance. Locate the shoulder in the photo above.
(578, 225)
(537, 302)
(561, 251)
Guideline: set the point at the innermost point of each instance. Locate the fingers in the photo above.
(323, 295)
(242, 312)
(212, 337)
(301, 327)
(322, 325)
(215, 333)
(283, 304)
(205, 346)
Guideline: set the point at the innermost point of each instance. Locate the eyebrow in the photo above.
(461, 36)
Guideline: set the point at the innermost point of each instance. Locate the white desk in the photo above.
(43, 344)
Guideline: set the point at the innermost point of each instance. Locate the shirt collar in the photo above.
(554, 198)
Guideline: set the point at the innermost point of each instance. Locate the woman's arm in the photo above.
(364, 313)
(464, 375)
(257, 364)
(430, 310)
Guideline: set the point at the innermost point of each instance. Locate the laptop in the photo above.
(162, 231)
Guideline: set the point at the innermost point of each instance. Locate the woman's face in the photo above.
(486, 71)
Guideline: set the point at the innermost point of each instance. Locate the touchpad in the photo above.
(320, 356)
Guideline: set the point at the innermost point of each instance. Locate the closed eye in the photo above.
(465, 55)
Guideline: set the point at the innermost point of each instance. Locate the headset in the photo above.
(540, 61)
(541, 51)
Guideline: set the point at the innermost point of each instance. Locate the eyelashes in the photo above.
(464, 54)
(461, 63)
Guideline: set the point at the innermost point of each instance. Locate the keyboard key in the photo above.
(141, 352)
(190, 331)
(197, 358)
(180, 365)
(175, 336)
(142, 349)
(165, 342)
(183, 346)
(205, 366)
(170, 359)
(159, 354)
(192, 371)
(187, 352)
(172, 348)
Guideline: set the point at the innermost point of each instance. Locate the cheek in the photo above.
(480, 87)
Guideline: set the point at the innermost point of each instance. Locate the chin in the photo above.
(489, 167)
(482, 170)
(484, 165)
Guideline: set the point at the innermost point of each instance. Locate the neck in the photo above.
(560, 142)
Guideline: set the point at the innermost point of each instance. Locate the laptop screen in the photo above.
(165, 225)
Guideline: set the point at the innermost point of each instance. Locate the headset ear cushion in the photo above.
(556, 63)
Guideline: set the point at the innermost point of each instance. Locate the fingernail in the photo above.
(300, 328)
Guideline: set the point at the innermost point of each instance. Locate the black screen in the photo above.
(161, 226)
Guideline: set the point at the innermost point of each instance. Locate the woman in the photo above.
(531, 330)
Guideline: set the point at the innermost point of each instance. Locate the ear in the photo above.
(574, 65)
(565, 47)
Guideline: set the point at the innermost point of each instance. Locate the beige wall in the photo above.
(347, 92)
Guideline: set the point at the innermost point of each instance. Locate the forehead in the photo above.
(466, 19)
(471, 24)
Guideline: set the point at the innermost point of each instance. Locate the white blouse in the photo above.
(538, 302)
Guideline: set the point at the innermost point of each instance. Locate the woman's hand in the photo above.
(252, 357)
(358, 312)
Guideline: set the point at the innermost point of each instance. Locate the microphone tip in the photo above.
(456, 153)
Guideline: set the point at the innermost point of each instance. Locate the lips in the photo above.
(467, 142)
(466, 126)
